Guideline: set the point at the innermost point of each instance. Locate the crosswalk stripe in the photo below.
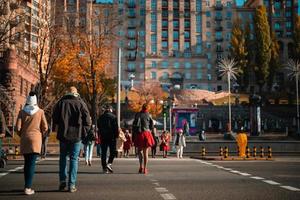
(271, 182)
(290, 188)
(168, 196)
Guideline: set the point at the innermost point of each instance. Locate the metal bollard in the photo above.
(248, 152)
(261, 152)
(226, 153)
(254, 152)
(203, 152)
(221, 151)
(16, 151)
(269, 152)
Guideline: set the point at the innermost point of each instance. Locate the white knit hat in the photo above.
(31, 100)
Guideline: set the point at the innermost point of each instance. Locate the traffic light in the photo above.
(165, 110)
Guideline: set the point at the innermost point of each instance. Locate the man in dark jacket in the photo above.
(108, 131)
(70, 118)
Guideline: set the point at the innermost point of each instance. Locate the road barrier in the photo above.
(203, 152)
(269, 152)
(226, 152)
(221, 152)
(254, 152)
(261, 152)
(248, 152)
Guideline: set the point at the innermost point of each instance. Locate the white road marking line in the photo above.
(244, 174)
(290, 188)
(168, 196)
(228, 169)
(157, 184)
(161, 189)
(153, 180)
(234, 171)
(3, 174)
(257, 177)
(271, 182)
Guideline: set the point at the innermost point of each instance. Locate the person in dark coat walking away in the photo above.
(142, 127)
(108, 131)
(70, 119)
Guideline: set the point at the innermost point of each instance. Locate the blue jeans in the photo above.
(29, 168)
(89, 151)
(98, 149)
(71, 150)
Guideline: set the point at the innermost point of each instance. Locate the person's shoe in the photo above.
(141, 170)
(28, 191)
(86, 162)
(145, 171)
(72, 189)
(109, 167)
(105, 171)
(90, 163)
(62, 187)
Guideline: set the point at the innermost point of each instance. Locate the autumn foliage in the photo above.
(150, 93)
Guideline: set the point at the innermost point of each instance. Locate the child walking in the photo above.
(127, 144)
(179, 142)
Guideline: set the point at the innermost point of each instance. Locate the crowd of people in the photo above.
(72, 122)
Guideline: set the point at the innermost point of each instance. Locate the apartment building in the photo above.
(18, 69)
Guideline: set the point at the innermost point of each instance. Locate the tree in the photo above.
(274, 64)
(46, 55)
(296, 39)
(239, 52)
(150, 93)
(87, 52)
(263, 46)
(11, 16)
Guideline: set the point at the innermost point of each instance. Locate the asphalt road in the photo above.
(167, 179)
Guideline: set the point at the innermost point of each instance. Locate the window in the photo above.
(187, 65)
(229, 15)
(199, 75)
(164, 34)
(165, 23)
(176, 65)
(198, 5)
(208, 66)
(199, 65)
(188, 76)
(131, 66)
(142, 54)
(142, 65)
(186, 34)
(142, 12)
(198, 49)
(208, 35)
(142, 33)
(288, 14)
(208, 56)
(164, 64)
(153, 38)
(208, 14)
(209, 77)
(207, 3)
(277, 26)
(228, 4)
(277, 5)
(208, 45)
(187, 24)
(176, 24)
(153, 64)
(164, 44)
(229, 25)
(228, 36)
(153, 48)
(208, 24)
(175, 35)
(199, 39)
(288, 25)
(153, 4)
(153, 75)
(165, 75)
(153, 26)
(187, 45)
(175, 45)
(153, 16)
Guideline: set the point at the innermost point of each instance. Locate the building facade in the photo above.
(18, 69)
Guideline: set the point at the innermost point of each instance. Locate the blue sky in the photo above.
(239, 2)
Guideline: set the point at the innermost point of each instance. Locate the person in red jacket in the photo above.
(164, 145)
(127, 144)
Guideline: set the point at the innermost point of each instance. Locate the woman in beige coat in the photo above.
(31, 125)
(120, 143)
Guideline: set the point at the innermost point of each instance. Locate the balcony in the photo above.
(131, 47)
(130, 70)
(131, 15)
(131, 5)
(218, 6)
(218, 28)
(219, 39)
(218, 18)
(219, 49)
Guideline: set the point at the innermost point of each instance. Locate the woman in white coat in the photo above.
(179, 143)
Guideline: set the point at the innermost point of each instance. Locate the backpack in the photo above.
(137, 124)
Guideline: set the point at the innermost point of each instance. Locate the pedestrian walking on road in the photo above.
(127, 143)
(142, 127)
(108, 131)
(45, 141)
(164, 145)
(179, 143)
(156, 141)
(120, 143)
(70, 119)
(31, 127)
(89, 142)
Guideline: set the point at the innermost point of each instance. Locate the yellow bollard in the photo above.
(248, 152)
(261, 152)
(221, 151)
(254, 152)
(203, 152)
(226, 153)
(269, 152)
